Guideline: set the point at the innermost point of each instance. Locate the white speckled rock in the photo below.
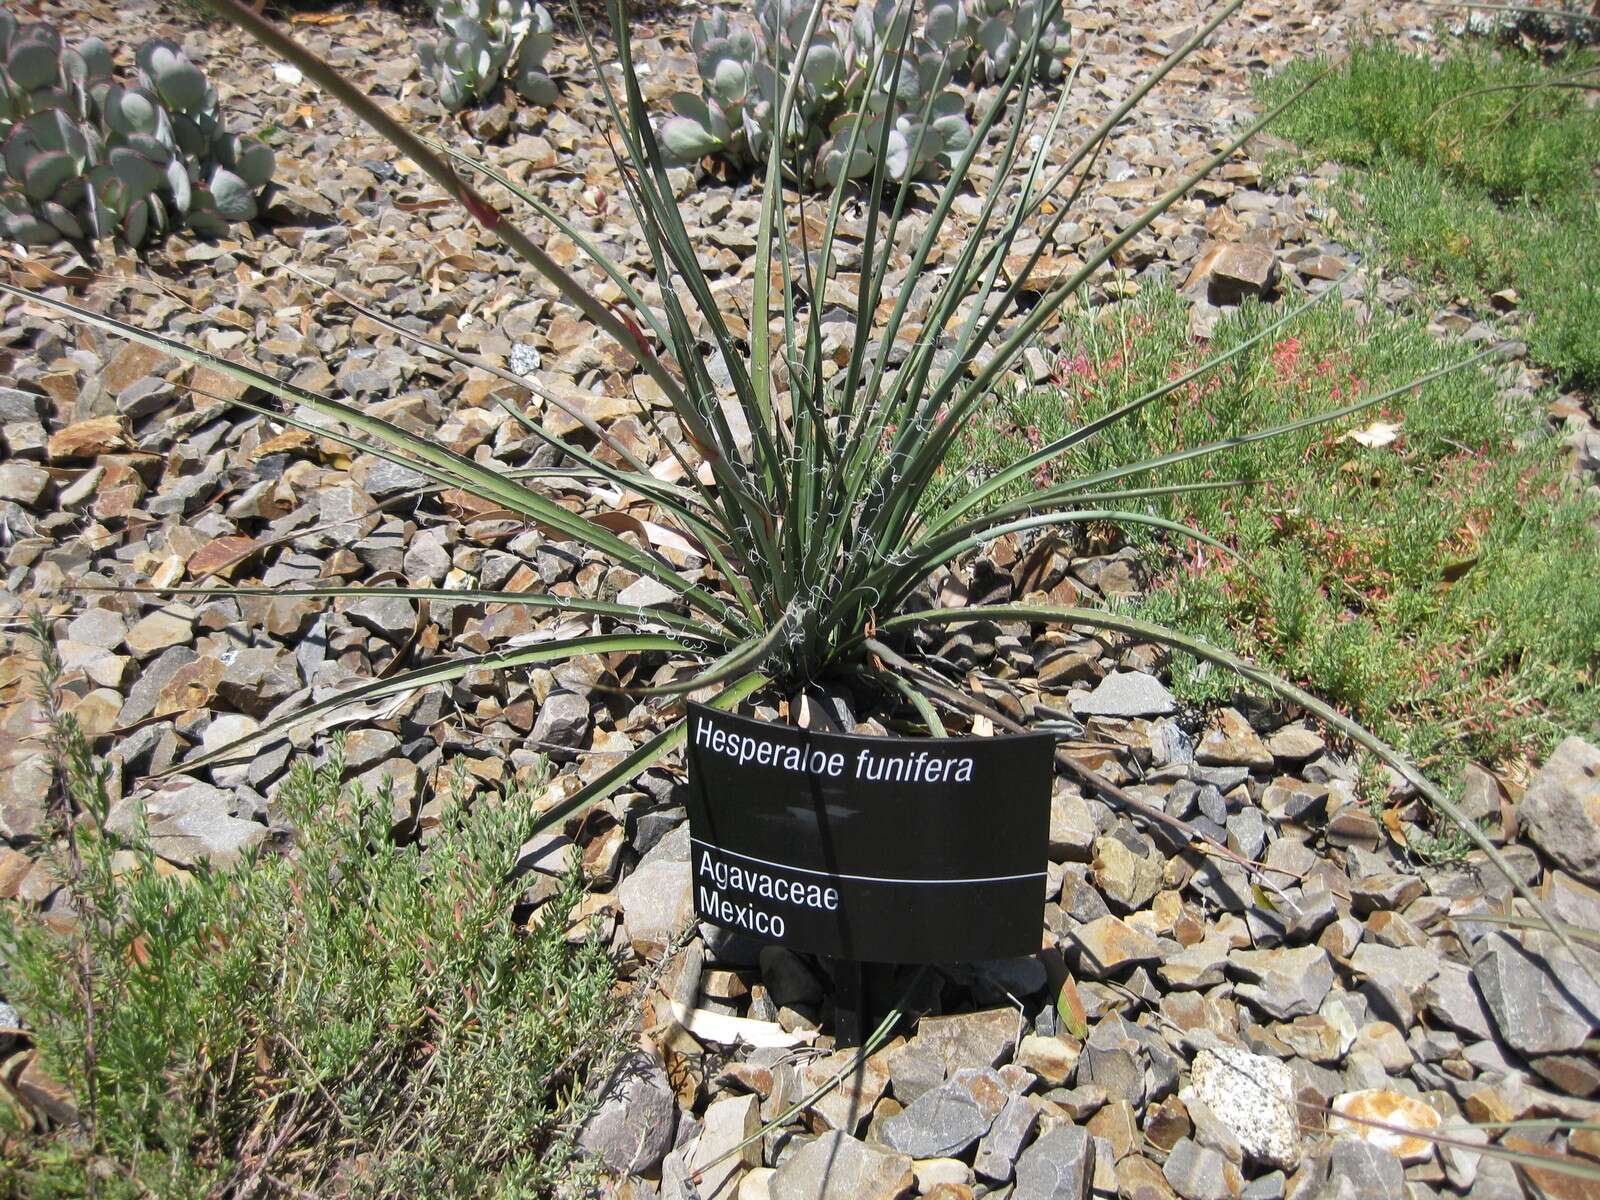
(1254, 1097)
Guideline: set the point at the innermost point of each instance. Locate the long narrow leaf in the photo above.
(1029, 463)
(444, 672)
(482, 480)
(599, 608)
(1330, 716)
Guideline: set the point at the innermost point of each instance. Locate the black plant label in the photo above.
(903, 850)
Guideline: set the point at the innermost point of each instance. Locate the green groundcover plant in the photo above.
(822, 527)
(354, 1018)
(1477, 168)
(1433, 576)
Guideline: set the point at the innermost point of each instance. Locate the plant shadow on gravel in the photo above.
(348, 1017)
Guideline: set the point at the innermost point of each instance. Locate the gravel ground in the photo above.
(1209, 1016)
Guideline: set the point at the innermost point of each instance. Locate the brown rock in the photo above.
(1052, 1059)
(1129, 880)
(1231, 271)
(156, 631)
(976, 1039)
(1386, 1108)
(1560, 812)
(39, 1091)
(14, 868)
(1167, 1123)
(1231, 742)
(1295, 743)
(1569, 1074)
(1585, 1142)
(86, 439)
(220, 557)
(23, 483)
(131, 363)
(191, 687)
(1140, 1179)
(1548, 1183)
(25, 778)
(1115, 1122)
(1110, 944)
(850, 1102)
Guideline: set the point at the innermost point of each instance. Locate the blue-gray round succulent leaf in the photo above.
(994, 35)
(864, 25)
(189, 137)
(132, 110)
(254, 162)
(753, 122)
(203, 216)
(708, 116)
(705, 28)
(73, 193)
(823, 68)
(948, 118)
(138, 174)
(63, 219)
(93, 57)
(897, 159)
(729, 80)
(16, 103)
(686, 140)
(34, 62)
(834, 159)
(534, 48)
(452, 92)
(175, 79)
(136, 222)
(29, 229)
(536, 87)
(152, 148)
(99, 184)
(45, 172)
(179, 186)
(234, 199)
(182, 86)
(944, 23)
(53, 130)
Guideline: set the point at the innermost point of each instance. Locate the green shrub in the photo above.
(349, 1014)
(1483, 119)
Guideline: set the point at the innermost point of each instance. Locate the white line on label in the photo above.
(861, 878)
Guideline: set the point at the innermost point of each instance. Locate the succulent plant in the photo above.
(486, 41)
(737, 89)
(86, 156)
(37, 72)
(1002, 29)
(898, 74)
